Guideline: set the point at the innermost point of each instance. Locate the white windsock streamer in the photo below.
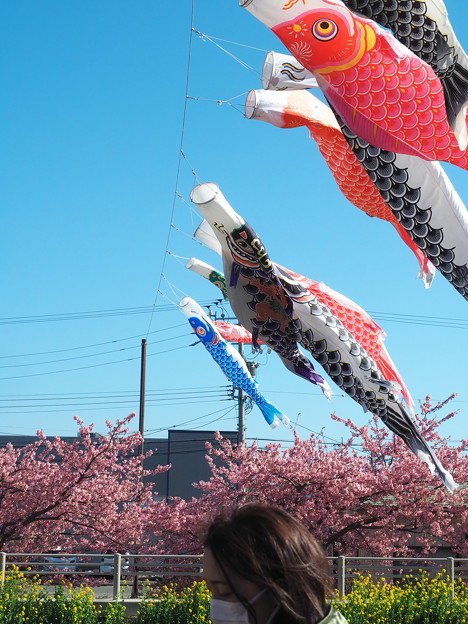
(204, 233)
(208, 272)
(282, 72)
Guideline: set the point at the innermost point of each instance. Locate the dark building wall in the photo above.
(185, 450)
(158, 447)
(186, 453)
(18, 441)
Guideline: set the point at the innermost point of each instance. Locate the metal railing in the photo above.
(116, 568)
(346, 569)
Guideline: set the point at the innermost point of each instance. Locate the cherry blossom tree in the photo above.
(88, 494)
(369, 495)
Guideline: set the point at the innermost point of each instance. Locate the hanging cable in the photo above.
(193, 211)
(195, 174)
(220, 103)
(182, 136)
(174, 288)
(242, 45)
(195, 240)
(233, 56)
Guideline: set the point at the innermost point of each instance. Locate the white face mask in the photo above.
(224, 612)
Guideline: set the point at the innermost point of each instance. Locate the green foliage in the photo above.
(167, 605)
(25, 601)
(413, 600)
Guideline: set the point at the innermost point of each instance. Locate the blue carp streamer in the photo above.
(229, 360)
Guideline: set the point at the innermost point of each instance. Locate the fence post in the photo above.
(451, 572)
(341, 577)
(2, 568)
(117, 575)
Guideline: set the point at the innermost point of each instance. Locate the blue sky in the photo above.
(91, 118)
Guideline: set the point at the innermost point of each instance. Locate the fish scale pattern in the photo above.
(339, 370)
(386, 93)
(351, 177)
(429, 133)
(270, 329)
(283, 316)
(363, 328)
(280, 335)
(368, 338)
(410, 24)
(386, 407)
(352, 180)
(235, 372)
(393, 184)
(350, 366)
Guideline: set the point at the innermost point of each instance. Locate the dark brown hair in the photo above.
(269, 547)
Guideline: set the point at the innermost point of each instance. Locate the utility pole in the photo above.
(240, 393)
(142, 396)
(240, 406)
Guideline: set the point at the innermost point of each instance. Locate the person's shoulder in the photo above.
(334, 617)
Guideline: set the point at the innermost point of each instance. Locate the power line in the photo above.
(224, 411)
(76, 316)
(114, 393)
(217, 419)
(73, 316)
(175, 427)
(391, 317)
(107, 409)
(130, 401)
(186, 422)
(96, 344)
(68, 370)
(81, 357)
(413, 319)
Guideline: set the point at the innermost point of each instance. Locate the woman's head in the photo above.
(260, 548)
